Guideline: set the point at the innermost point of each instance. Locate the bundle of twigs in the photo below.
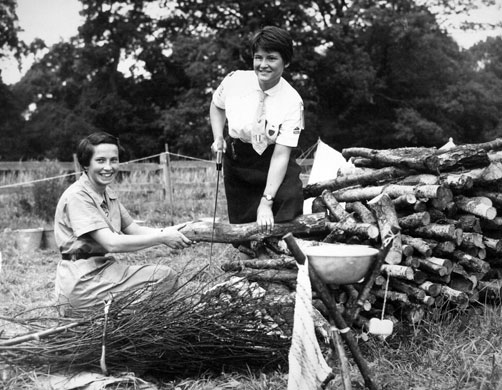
(185, 333)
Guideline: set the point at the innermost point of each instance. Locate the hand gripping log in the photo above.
(328, 300)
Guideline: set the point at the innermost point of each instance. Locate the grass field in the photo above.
(448, 350)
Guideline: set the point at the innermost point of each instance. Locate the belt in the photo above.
(79, 256)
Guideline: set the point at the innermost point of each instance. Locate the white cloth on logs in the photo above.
(307, 367)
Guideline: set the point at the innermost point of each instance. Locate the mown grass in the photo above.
(448, 350)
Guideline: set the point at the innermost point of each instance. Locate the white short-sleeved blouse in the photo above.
(238, 94)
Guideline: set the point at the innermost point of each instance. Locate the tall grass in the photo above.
(448, 350)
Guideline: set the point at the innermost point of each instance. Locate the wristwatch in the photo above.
(268, 197)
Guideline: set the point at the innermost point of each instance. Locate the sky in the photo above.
(56, 20)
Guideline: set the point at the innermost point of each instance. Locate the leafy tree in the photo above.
(376, 74)
(9, 40)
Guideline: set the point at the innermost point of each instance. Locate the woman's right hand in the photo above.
(218, 144)
(173, 238)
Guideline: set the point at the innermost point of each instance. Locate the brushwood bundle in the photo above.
(225, 327)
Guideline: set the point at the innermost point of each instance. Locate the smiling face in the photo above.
(268, 66)
(103, 166)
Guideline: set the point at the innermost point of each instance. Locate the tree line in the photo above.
(377, 74)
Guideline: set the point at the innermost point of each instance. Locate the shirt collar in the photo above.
(271, 91)
(86, 184)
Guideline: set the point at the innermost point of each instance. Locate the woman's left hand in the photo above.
(265, 217)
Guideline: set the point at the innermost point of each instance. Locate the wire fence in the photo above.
(166, 167)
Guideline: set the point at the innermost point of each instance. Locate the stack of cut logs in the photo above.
(448, 251)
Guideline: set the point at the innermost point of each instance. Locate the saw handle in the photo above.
(219, 156)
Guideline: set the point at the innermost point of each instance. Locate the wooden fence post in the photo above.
(76, 166)
(166, 176)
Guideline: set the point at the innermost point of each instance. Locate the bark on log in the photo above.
(362, 179)
(471, 263)
(442, 262)
(420, 205)
(405, 201)
(495, 156)
(432, 289)
(281, 263)
(398, 271)
(493, 244)
(424, 178)
(457, 297)
(442, 201)
(394, 191)
(385, 213)
(493, 224)
(407, 250)
(469, 223)
(464, 156)
(431, 267)
(451, 210)
(366, 230)
(480, 253)
(457, 182)
(410, 261)
(439, 232)
(335, 208)
(421, 246)
(470, 239)
(436, 215)
(415, 158)
(420, 277)
(412, 291)
(495, 197)
(444, 248)
(461, 280)
(414, 220)
(364, 214)
(487, 175)
(493, 145)
(393, 296)
(438, 279)
(234, 233)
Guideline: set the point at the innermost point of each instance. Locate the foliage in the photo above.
(9, 40)
(374, 74)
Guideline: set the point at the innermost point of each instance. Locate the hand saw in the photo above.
(219, 156)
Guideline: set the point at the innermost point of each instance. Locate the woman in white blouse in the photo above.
(265, 119)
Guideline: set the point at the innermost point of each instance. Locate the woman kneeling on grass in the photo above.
(90, 222)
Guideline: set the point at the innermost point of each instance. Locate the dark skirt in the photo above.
(245, 174)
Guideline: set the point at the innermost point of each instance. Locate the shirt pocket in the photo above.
(271, 131)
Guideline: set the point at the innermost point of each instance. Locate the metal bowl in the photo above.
(341, 264)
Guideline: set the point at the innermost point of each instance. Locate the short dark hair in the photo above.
(85, 149)
(271, 38)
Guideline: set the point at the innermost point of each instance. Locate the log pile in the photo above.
(447, 252)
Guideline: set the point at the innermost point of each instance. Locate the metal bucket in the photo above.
(28, 240)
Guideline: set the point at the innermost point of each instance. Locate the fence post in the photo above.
(166, 175)
(76, 166)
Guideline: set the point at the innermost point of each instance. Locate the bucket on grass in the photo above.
(28, 240)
